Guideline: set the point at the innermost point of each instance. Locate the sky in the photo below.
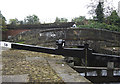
(46, 10)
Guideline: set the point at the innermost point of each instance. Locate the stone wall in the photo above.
(98, 39)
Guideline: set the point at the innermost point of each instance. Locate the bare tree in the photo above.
(107, 6)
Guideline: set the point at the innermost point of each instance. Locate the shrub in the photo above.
(98, 25)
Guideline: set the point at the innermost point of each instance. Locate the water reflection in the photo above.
(117, 73)
(104, 73)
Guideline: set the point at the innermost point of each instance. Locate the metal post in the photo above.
(86, 53)
(60, 43)
(99, 73)
(110, 67)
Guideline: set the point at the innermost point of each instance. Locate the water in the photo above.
(104, 73)
(117, 73)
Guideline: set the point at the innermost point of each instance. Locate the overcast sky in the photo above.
(46, 10)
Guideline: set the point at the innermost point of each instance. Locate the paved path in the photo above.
(60, 67)
(1, 49)
(4, 48)
(10, 78)
(15, 78)
(66, 72)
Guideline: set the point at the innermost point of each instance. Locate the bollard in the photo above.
(86, 53)
(110, 67)
(60, 43)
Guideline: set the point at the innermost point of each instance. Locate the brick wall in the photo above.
(12, 32)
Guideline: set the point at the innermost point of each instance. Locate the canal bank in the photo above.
(37, 67)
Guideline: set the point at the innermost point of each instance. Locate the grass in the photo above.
(21, 42)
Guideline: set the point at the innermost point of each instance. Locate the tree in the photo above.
(63, 20)
(99, 12)
(113, 19)
(107, 7)
(79, 20)
(2, 21)
(13, 21)
(21, 22)
(31, 19)
(59, 20)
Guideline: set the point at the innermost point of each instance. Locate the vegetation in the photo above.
(13, 21)
(31, 19)
(79, 20)
(107, 6)
(113, 19)
(101, 20)
(2, 21)
(112, 23)
(22, 42)
(98, 25)
(59, 20)
(99, 12)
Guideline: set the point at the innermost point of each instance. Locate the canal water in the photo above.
(104, 73)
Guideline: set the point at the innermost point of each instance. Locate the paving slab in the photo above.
(0, 67)
(4, 48)
(66, 72)
(35, 58)
(11, 78)
(0, 78)
(15, 78)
